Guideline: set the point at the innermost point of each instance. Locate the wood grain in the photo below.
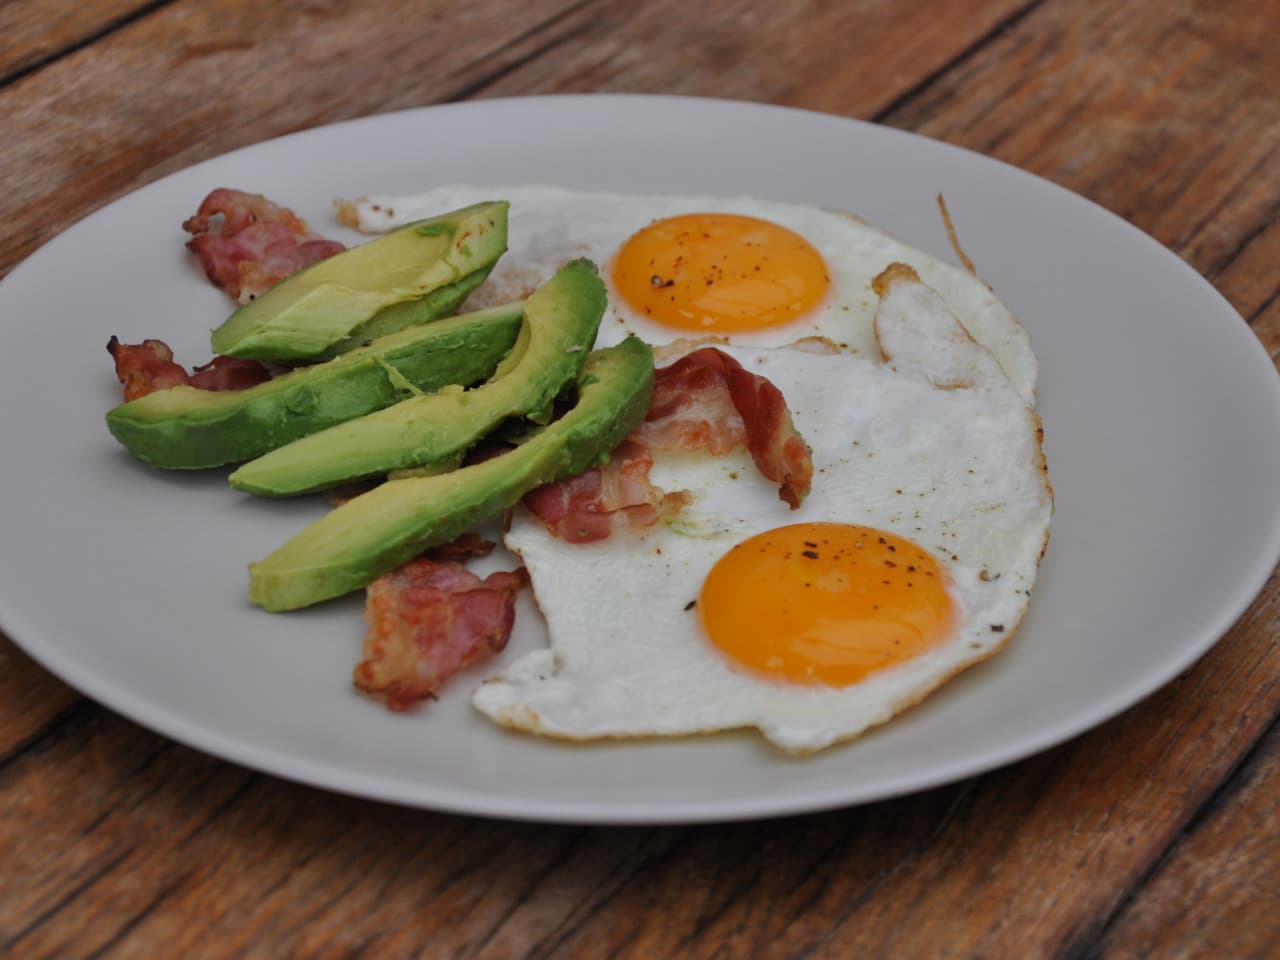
(141, 103)
(1169, 120)
(1216, 892)
(34, 32)
(197, 79)
(1154, 834)
(854, 59)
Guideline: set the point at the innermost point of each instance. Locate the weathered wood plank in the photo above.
(204, 857)
(845, 58)
(140, 104)
(1218, 893)
(34, 31)
(198, 79)
(30, 698)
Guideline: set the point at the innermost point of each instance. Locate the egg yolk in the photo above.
(719, 273)
(826, 603)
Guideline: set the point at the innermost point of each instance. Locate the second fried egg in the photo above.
(913, 556)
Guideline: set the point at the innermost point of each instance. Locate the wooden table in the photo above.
(1155, 834)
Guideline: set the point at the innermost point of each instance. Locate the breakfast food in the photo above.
(411, 276)
(912, 556)
(247, 244)
(186, 428)
(824, 498)
(391, 524)
(436, 429)
(431, 618)
(769, 273)
(146, 367)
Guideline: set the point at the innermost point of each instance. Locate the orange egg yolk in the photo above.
(826, 603)
(713, 273)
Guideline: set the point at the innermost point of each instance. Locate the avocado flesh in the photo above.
(185, 428)
(560, 322)
(410, 313)
(307, 315)
(379, 531)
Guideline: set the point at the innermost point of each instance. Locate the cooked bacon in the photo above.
(428, 620)
(145, 367)
(247, 244)
(617, 495)
(777, 448)
(707, 400)
(703, 401)
(148, 366)
(692, 408)
(229, 373)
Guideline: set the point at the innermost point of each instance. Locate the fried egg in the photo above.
(913, 557)
(745, 271)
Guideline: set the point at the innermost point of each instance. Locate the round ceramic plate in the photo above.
(1160, 407)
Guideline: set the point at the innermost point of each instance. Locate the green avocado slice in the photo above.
(378, 531)
(185, 428)
(560, 322)
(410, 276)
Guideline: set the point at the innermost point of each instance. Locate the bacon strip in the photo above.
(247, 244)
(148, 366)
(229, 373)
(592, 505)
(703, 401)
(145, 367)
(777, 448)
(428, 620)
(695, 402)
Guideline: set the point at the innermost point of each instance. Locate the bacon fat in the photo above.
(247, 244)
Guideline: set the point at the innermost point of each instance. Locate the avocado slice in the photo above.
(410, 276)
(560, 322)
(185, 428)
(378, 531)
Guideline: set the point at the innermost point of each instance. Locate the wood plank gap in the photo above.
(112, 807)
(117, 24)
(708, 920)
(1249, 176)
(1264, 307)
(1259, 228)
(138, 919)
(467, 866)
(250, 778)
(49, 730)
(1003, 25)
(71, 895)
(820, 890)
(1088, 942)
(475, 86)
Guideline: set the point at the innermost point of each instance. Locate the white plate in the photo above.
(1161, 411)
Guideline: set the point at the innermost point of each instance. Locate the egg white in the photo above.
(935, 445)
(549, 225)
